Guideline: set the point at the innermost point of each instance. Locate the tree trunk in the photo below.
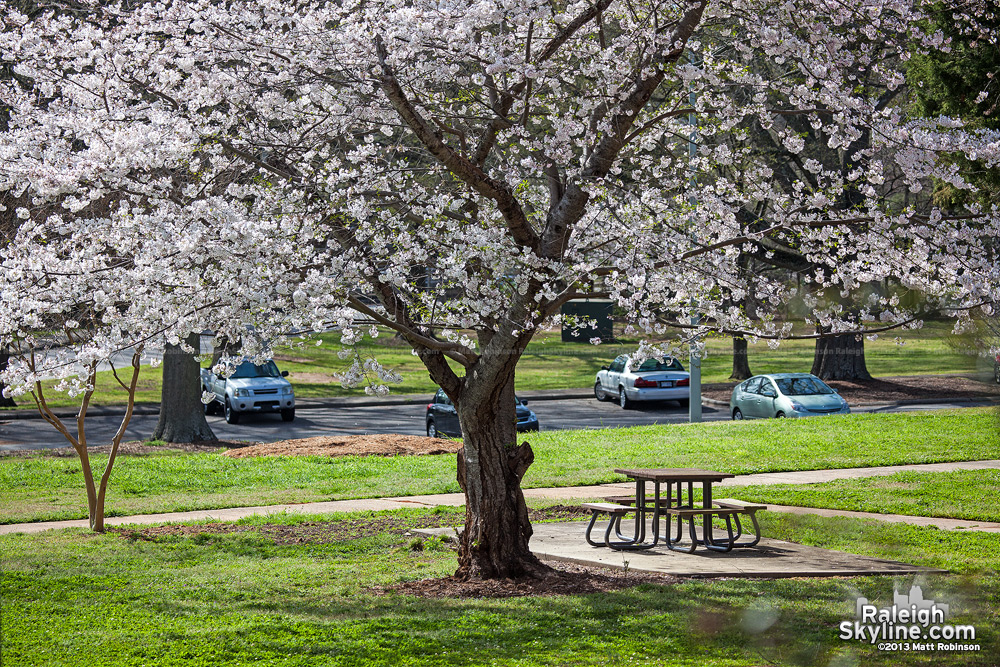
(490, 468)
(182, 414)
(741, 362)
(840, 358)
(4, 401)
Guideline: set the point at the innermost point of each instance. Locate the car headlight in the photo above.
(242, 392)
(798, 407)
(286, 390)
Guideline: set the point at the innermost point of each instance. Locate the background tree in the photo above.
(963, 82)
(525, 156)
(182, 413)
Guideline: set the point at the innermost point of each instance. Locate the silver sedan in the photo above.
(655, 379)
(785, 395)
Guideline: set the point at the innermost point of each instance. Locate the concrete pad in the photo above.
(769, 559)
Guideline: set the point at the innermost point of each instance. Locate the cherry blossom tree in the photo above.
(457, 170)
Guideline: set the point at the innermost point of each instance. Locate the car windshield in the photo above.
(802, 386)
(250, 370)
(660, 364)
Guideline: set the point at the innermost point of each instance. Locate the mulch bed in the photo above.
(375, 444)
(563, 579)
(133, 448)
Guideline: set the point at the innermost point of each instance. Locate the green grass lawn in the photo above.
(76, 599)
(46, 488)
(550, 363)
(966, 494)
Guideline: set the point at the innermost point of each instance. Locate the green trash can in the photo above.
(588, 310)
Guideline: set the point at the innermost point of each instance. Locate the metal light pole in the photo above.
(694, 358)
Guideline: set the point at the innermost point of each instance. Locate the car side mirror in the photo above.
(604, 368)
(523, 402)
(284, 374)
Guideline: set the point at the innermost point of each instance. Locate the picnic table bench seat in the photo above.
(729, 509)
(615, 512)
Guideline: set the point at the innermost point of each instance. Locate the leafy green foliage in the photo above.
(951, 84)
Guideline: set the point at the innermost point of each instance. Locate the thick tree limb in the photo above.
(508, 206)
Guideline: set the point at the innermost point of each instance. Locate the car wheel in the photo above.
(288, 415)
(232, 417)
(210, 406)
(737, 415)
(432, 431)
(623, 399)
(599, 392)
(780, 415)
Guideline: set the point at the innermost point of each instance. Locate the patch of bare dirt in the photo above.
(890, 390)
(312, 378)
(331, 532)
(293, 360)
(133, 448)
(565, 579)
(389, 444)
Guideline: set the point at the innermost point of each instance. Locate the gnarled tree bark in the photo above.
(741, 362)
(182, 414)
(4, 359)
(840, 358)
(491, 466)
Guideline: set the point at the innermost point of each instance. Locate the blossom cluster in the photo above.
(436, 166)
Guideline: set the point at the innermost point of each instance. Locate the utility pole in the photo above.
(694, 358)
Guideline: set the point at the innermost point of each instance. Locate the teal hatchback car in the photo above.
(785, 395)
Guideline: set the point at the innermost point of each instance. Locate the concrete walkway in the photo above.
(568, 494)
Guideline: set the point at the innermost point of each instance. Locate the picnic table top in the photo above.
(674, 474)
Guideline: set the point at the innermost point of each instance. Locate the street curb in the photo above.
(148, 409)
(304, 404)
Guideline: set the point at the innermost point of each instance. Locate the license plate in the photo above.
(666, 383)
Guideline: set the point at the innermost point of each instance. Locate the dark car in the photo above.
(442, 418)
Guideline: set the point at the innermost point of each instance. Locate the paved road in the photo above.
(405, 419)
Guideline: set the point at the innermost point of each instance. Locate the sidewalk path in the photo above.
(569, 493)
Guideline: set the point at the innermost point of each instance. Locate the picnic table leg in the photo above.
(706, 500)
(694, 538)
(674, 501)
(728, 546)
(656, 514)
(640, 510)
(590, 527)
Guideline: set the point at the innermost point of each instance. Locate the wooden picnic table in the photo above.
(676, 479)
(676, 502)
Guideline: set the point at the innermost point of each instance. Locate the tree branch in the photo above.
(462, 167)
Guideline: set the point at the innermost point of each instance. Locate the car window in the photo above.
(660, 364)
(766, 388)
(441, 397)
(618, 365)
(250, 370)
(804, 386)
(751, 385)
